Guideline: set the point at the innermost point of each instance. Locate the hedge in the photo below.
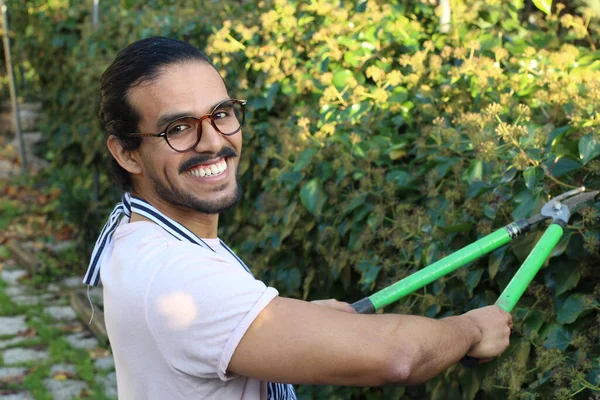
(376, 145)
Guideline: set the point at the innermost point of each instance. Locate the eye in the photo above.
(222, 113)
(178, 129)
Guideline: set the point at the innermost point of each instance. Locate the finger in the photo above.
(336, 305)
(343, 306)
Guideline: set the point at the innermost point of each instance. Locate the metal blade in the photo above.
(576, 201)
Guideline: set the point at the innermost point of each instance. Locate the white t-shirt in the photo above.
(175, 313)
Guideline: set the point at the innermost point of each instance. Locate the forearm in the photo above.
(297, 342)
(436, 344)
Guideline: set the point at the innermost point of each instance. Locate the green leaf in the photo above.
(313, 197)
(533, 322)
(572, 308)
(557, 337)
(339, 78)
(306, 284)
(544, 5)
(356, 202)
(476, 188)
(4, 252)
(397, 151)
(561, 246)
(369, 271)
(475, 171)
(495, 260)
(532, 176)
(589, 148)
(566, 278)
(460, 227)
(304, 159)
(562, 166)
(473, 279)
(290, 277)
(401, 178)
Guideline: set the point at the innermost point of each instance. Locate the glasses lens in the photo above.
(182, 134)
(228, 117)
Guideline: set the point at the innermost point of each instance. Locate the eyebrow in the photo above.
(166, 119)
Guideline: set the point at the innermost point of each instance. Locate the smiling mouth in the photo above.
(209, 170)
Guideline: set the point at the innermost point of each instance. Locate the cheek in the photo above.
(159, 162)
(237, 142)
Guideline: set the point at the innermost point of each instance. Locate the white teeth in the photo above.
(212, 170)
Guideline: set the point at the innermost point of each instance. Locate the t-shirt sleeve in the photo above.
(199, 306)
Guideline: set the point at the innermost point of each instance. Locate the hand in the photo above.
(336, 305)
(494, 325)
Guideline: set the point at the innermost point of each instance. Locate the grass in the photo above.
(59, 350)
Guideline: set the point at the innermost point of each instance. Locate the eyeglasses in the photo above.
(185, 133)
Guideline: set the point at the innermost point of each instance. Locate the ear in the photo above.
(127, 159)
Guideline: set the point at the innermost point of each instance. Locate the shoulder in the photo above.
(141, 230)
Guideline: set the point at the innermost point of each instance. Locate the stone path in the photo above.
(45, 351)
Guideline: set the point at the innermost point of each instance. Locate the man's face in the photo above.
(192, 88)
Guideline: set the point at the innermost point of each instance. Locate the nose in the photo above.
(211, 141)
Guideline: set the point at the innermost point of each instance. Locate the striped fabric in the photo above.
(281, 391)
(129, 204)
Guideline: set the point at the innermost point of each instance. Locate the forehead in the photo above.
(193, 87)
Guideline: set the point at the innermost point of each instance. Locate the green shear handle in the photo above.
(521, 280)
(532, 264)
(557, 209)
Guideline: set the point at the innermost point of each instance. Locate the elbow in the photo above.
(400, 369)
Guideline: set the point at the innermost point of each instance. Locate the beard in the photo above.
(180, 198)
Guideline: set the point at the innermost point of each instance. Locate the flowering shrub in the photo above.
(376, 145)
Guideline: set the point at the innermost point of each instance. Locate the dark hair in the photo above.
(137, 63)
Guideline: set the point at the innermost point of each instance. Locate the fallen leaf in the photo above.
(86, 393)
(63, 375)
(27, 333)
(98, 353)
(14, 379)
(73, 328)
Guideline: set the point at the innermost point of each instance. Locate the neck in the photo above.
(203, 225)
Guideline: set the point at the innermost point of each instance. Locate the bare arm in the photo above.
(297, 342)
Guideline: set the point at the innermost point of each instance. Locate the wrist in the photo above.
(467, 329)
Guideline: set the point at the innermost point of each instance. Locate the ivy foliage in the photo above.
(377, 145)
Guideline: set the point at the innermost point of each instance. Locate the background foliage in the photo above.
(376, 146)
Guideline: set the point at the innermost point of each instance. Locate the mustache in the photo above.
(198, 159)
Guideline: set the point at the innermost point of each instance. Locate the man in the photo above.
(185, 317)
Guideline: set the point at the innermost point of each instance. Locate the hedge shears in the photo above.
(557, 209)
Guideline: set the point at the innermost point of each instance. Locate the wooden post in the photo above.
(13, 88)
(446, 17)
(95, 172)
(95, 13)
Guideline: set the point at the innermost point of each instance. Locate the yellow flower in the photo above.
(326, 78)
(529, 52)
(351, 81)
(303, 122)
(494, 109)
(380, 95)
(500, 53)
(394, 78)
(330, 93)
(375, 73)
(355, 138)
(328, 129)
